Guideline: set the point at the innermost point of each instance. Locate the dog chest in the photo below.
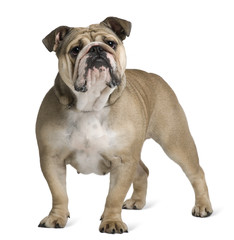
(88, 137)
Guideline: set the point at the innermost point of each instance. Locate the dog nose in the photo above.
(81, 89)
(96, 49)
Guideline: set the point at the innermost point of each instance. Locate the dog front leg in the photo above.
(121, 178)
(54, 172)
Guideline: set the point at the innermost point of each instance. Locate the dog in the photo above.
(97, 116)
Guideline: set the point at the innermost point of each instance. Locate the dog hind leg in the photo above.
(171, 131)
(138, 198)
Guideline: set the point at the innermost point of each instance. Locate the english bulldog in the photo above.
(97, 116)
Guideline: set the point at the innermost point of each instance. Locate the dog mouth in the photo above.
(96, 65)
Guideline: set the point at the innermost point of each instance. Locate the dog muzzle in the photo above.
(95, 63)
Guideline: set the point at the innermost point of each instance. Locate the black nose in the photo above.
(96, 49)
(81, 89)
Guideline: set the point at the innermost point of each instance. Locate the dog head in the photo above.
(92, 54)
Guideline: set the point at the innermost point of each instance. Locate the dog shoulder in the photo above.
(147, 84)
(142, 78)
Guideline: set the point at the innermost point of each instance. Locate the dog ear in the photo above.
(53, 39)
(120, 27)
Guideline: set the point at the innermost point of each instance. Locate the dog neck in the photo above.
(98, 97)
(95, 98)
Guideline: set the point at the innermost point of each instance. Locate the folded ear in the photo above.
(120, 27)
(53, 39)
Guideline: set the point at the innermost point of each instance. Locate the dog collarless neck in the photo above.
(118, 92)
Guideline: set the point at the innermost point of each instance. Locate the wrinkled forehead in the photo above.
(83, 36)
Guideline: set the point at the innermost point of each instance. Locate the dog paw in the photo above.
(133, 204)
(113, 227)
(202, 211)
(53, 221)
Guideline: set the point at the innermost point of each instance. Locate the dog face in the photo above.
(90, 55)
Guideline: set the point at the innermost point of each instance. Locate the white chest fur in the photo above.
(88, 137)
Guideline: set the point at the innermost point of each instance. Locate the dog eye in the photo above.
(75, 51)
(112, 44)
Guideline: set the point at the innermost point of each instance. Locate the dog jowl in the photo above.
(97, 116)
(97, 61)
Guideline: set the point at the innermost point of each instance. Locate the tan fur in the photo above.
(111, 136)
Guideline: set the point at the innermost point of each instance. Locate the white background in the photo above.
(191, 45)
